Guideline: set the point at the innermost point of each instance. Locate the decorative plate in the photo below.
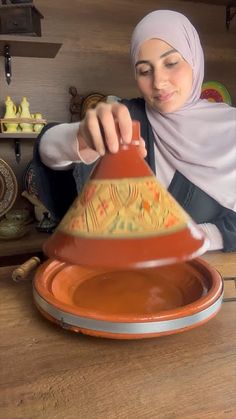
(29, 182)
(90, 102)
(215, 91)
(8, 187)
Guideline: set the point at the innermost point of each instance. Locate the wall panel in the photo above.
(95, 52)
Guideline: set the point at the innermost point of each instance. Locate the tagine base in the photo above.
(131, 304)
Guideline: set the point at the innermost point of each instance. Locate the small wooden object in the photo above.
(20, 19)
(24, 271)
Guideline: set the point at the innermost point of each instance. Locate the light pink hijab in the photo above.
(198, 140)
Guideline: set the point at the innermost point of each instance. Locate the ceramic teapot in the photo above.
(10, 112)
(37, 127)
(24, 112)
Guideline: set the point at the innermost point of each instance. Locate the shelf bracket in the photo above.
(17, 150)
(229, 16)
(7, 56)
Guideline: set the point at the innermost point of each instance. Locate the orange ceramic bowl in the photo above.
(129, 304)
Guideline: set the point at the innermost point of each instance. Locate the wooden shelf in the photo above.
(215, 2)
(30, 48)
(19, 249)
(18, 121)
(18, 135)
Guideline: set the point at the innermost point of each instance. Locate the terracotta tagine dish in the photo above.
(124, 261)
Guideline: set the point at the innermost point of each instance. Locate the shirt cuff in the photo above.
(214, 236)
(59, 148)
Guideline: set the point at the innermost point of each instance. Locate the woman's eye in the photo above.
(145, 72)
(172, 64)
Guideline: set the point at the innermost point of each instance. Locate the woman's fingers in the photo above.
(116, 124)
(90, 132)
(105, 126)
(108, 127)
(94, 131)
(142, 148)
(123, 119)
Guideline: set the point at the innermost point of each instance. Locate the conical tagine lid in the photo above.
(124, 218)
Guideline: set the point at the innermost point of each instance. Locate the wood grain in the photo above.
(225, 263)
(47, 372)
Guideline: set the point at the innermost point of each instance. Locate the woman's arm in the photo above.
(60, 149)
(218, 222)
(56, 189)
(60, 146)
(214, 235)
(226, 224)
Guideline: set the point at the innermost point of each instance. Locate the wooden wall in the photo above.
(95, 51)
(94, 56)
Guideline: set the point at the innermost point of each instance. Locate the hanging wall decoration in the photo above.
(215, 91)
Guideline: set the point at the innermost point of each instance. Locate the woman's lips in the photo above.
(165, 97)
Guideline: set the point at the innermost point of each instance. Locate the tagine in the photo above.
(124, 261)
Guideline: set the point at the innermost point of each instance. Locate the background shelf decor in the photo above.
(19, 134)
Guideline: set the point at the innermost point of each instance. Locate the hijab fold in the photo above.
(199, 139)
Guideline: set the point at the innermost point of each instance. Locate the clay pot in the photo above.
(21, 215)
(124, 218)
(11, 230)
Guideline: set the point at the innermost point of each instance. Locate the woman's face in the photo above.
(163, 76)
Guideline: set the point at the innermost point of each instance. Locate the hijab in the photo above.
(199, 139)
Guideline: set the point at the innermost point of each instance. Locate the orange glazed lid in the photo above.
(124, 218)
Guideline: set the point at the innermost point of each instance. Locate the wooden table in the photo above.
(51, 373)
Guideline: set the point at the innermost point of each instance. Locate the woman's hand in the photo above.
(98, 129)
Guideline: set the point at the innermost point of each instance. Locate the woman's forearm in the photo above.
(214, 235)
(59, 147)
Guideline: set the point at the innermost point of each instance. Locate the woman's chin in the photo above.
(164, 107)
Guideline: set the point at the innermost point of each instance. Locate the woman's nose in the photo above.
(159, 79)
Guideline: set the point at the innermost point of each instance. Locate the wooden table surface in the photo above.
(50, 373)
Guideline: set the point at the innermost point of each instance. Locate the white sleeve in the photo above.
(59, 148)
(214, 235)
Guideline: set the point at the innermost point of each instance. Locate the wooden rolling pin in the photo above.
(24, 271)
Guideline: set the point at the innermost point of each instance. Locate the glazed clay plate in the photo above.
(215, 91)
(129, 304)
(8, 187)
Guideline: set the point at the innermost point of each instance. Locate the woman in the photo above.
(189, 143)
